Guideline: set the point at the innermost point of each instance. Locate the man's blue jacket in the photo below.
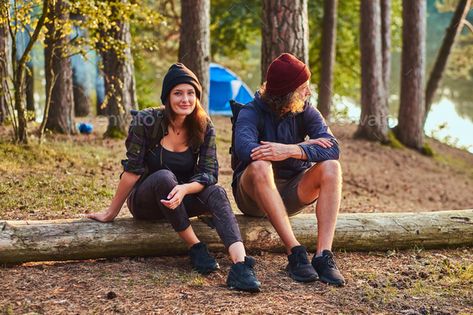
(288, 129)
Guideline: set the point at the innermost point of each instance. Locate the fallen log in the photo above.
(22, 241)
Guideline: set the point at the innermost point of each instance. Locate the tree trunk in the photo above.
(119, 78)
(386, 46)
(285, 30)
(22, 132)
(29, 89)
(100, 92)
(4, 73)
(327, 57)
(409, 130)
(454, 28)
(81, 99)
(22, 241)
(374, 115)
(194, 42)
(58, 72)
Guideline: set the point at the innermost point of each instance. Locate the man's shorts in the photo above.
(287, 188)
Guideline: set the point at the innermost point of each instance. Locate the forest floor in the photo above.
(69, 176)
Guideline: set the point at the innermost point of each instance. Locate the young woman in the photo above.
(171, 173)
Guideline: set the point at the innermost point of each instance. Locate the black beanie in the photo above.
(177, 74)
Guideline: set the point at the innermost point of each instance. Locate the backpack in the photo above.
(236, 108)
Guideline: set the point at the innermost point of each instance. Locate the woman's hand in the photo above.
(126, 184)
(175, 197)
(103, 216)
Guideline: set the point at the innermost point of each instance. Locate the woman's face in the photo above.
(182, 99)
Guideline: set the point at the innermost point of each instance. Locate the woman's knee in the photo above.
(214, 193)
(217, 189)
(163, 179)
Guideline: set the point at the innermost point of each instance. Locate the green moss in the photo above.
(393, 142)
(115, 133)
(427, 150)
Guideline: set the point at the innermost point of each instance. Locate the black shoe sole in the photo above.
(243, 288)
(207, 271)
(328, 281)
(302, 279)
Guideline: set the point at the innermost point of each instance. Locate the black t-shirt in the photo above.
(180, 163)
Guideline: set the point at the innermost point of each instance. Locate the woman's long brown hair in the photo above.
(195, 123)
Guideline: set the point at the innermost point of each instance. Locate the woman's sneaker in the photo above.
(327, 269)
(201, 259)
(242, 276)
(299, 267)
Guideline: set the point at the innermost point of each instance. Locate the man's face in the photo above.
(304, 91)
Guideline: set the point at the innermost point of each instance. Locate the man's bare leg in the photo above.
(258, 182)
(323, 180)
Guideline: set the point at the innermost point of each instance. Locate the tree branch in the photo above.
(35, 35)
(468, 25)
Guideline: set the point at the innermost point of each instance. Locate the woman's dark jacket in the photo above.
(147, 129)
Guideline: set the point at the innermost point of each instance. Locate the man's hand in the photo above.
(175, 197)
(323, 142)
(103, 216)
(272, 151)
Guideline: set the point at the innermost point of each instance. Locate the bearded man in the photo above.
(279, 171)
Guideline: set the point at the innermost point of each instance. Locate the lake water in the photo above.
(444, 123)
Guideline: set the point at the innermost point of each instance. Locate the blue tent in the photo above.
(225, 86)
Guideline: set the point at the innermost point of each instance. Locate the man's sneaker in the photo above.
(299, 267)
(242, 276)
(201, 259)
(327, 269)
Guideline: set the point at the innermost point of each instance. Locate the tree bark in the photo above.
(285, 30)
(194, 42)
(453, 29)
(81, 99)
(100, 92)
(58, 72)
(29, 89)
(327, 57)
(22, 241)
(386, 46)
(409, 130)
(374, 114)
(120, 92)
(4, 73)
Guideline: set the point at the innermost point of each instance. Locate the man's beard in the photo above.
(295, 106)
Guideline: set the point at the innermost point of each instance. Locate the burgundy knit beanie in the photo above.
(285, 74)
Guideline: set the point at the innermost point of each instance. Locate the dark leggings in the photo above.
(144, 204)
